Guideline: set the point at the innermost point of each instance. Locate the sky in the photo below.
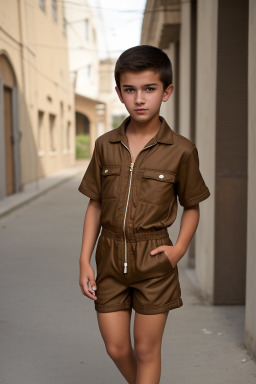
(119, 25)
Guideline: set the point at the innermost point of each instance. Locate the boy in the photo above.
(134, 177)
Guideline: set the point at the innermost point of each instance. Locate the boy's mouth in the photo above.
(140, 110)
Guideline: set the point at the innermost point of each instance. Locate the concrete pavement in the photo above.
(36, 188)
(49, 332)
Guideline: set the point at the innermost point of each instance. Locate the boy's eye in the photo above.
(129, 90)
(150, 89)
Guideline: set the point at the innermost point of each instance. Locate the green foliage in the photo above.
(82, 146)
(117, 120)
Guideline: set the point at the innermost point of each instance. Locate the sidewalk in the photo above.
(205, 343)
(37, 188)
(48, 329)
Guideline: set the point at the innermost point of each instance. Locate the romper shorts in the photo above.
(151, 284)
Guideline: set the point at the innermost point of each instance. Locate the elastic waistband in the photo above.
(145, 235)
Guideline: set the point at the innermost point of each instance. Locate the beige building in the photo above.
(90, 117)
(116, 110)
(36, 99)
(212, 47)
(82, 39)
(90, 111)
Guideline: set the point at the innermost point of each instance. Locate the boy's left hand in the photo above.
(173, 252)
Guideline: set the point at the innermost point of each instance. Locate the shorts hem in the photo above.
(112, 308)
(161, 309)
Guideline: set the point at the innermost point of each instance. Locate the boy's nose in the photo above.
(139, 99)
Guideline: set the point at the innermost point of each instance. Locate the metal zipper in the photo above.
(127, 202)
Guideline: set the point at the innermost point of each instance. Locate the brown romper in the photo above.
(138, 204)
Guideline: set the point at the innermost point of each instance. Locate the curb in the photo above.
(34, 190)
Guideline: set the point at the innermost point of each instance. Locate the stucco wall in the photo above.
(82, 35)
(184, 112)
(167, 108)
(205, 133)
(108, 93)
(37, 50)
(250, 326)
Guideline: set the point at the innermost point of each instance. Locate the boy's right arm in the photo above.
(90, 234)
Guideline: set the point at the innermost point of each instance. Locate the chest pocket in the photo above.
(110, 175)
(157, 187)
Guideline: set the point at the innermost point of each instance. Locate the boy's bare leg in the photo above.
(148, 332)
(115, 330)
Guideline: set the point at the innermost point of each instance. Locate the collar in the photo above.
(164, 134)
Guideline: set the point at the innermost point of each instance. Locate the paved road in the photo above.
(49, 332)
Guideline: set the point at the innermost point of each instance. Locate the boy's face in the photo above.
(142, 94)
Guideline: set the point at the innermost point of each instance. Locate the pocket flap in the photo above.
(159, 175)
(110, 170)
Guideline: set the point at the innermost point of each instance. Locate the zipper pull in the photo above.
(131, 167)
(125, 267)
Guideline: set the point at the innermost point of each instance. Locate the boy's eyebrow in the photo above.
(145, 85)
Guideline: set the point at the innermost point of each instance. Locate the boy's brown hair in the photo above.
(144, 57)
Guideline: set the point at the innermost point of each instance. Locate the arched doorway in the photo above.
(82, 136)
(9, 134)
(82, 124)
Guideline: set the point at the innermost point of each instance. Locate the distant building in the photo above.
(84, 68)
(116, 110)
(36, 97)
(212, 47)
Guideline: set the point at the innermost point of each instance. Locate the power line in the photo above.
(72, 49)
(65, 48)
(35, 68)
(73, 3)
(103, 28)
(144, 11)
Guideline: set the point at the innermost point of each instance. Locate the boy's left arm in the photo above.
(188, 226)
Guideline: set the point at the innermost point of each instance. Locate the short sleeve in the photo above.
(91, 181)
(191, 188)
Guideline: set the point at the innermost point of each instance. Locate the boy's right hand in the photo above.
(87, 281)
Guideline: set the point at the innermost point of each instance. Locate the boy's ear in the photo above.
(119, 94)
(167, 92)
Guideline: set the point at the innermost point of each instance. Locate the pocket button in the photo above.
(161, 176)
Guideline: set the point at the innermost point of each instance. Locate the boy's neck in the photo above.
(148, 128)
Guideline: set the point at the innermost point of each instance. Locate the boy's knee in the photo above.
(117, 351)
(146, 351)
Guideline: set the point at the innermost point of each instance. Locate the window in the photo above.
(40, 142)
(64, 26)
(68, 136)
(54, 9)
(52, 132)
(94, 35)
(89, 70)
(100, 128)
(62, 128)
(86, 25)
(42, 5)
